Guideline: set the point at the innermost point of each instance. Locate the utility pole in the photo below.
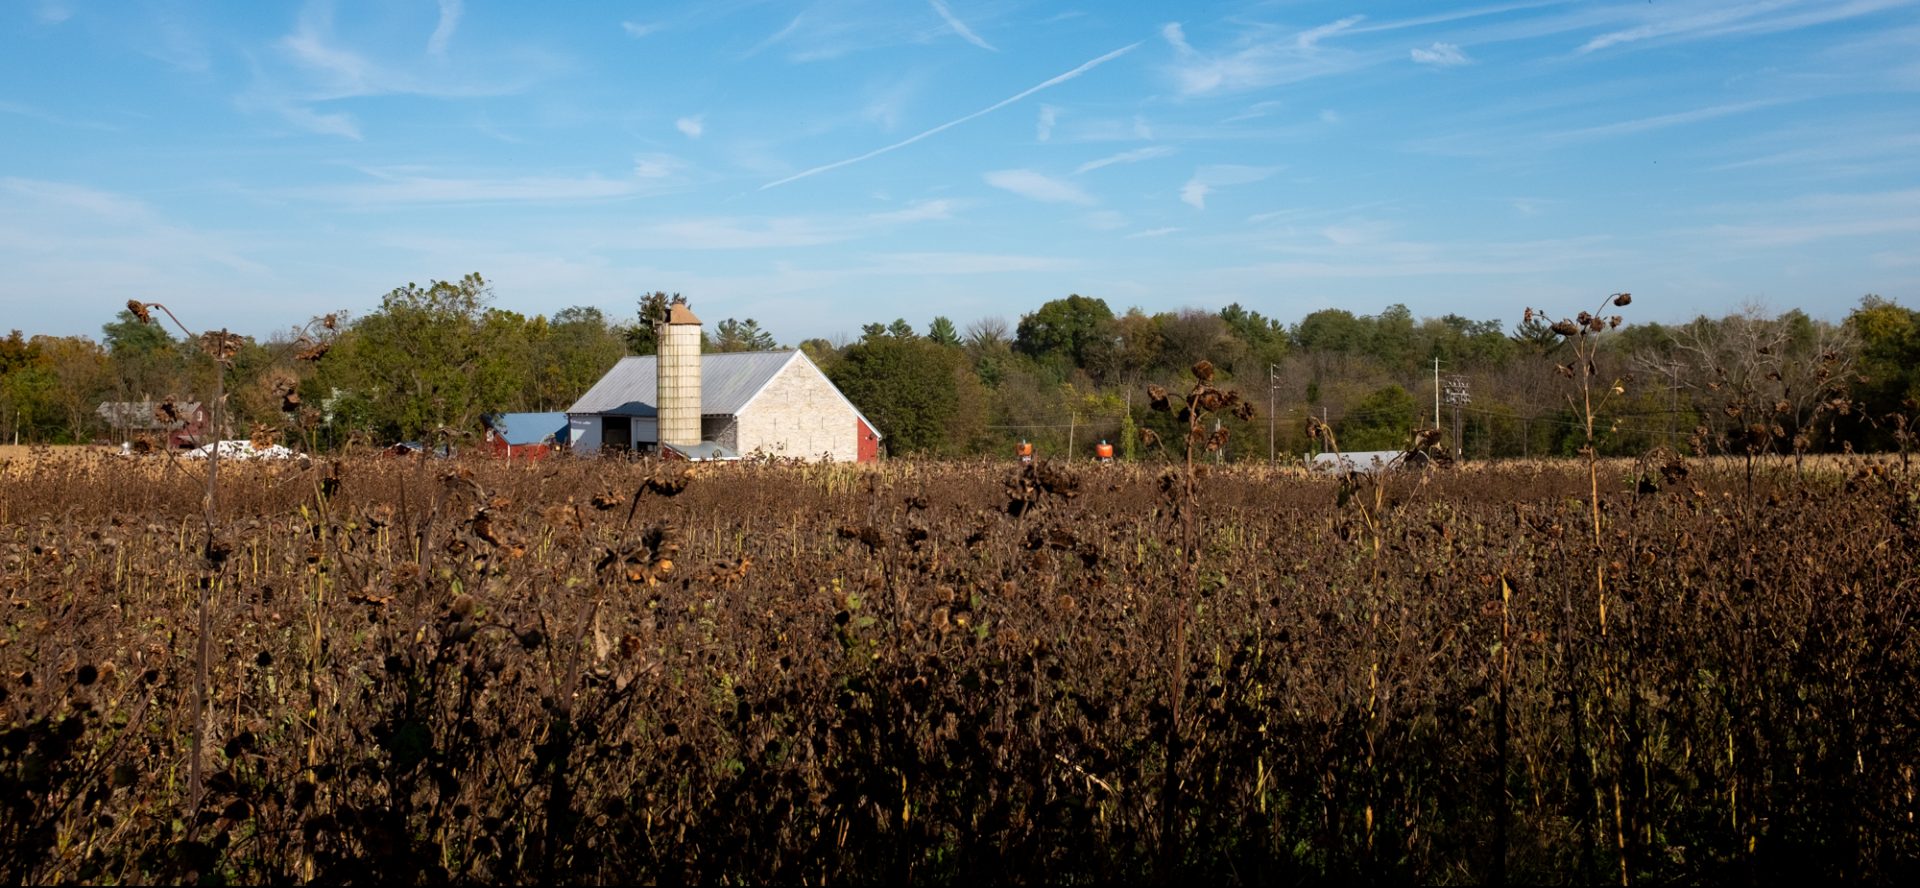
(1436, 392)
(1673, 401)
(1273, 386)
(1458, 397)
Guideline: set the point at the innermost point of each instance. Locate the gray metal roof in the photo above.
(141, 415)
(727, 382)
(705, 451)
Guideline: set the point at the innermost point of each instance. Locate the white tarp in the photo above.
(240, 450)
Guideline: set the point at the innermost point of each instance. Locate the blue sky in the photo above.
(820, 165)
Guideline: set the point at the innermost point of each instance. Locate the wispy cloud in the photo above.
(1043, 130)
(1870, 147)
(1691, 20)
(92, 202)
(1257, 110)
(326, 124)
(166, 37)
(1361, 253)
(1767, 16)
(1357, 232)
(1819, 217)
(1454, 16)
(394, 188)
(1135, 156)
(316, 68)
(1787, 234)
(50, 117)
(1263, 60)
(958, 26)
(1194, 194)
(1207, 179)
(52, 229)
(53, 13)
(1153, 232)
(638, 29)
(919, 211)
(692, 127)
(736, 234)
(1176, 37)
(1035, 186)
(1311, 37)
(657, 166)
(769, 232)
(891, 100)
(1302, 214)
(1443, 55)
(833, 29)
(1105, 220)
(450, 12)
(1512, 130)
(1660, 121)
(1895, 259)
(347, 72)
(335, 71)
(826, 43)
(940, 263)
(1053, 81)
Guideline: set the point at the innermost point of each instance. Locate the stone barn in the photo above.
(776, 403)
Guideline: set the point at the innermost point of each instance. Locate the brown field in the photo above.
(425, 672)
(26, 453)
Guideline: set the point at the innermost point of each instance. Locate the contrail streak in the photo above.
(956, 122)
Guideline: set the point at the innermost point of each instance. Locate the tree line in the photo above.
(432, 359)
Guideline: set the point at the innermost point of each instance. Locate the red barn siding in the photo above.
(497, 446)
(869, 440)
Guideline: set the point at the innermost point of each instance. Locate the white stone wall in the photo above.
(584, 432)
(800, 414)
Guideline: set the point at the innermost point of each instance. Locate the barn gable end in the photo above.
(799, 413)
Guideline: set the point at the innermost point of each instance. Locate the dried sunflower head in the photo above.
(263, 436)
(221, 345)
(1157, 399)
(313, 352)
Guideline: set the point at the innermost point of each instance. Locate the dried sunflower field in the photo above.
(431, 671)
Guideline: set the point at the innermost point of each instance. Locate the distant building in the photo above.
(181, 424)
(1365, 461)
(523, 435)
(776, 403)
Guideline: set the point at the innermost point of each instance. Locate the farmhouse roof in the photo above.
(141, 415)
(528, 428)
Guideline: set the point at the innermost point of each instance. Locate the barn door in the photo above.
(617, 434)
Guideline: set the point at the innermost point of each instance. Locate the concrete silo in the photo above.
(679, 382)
